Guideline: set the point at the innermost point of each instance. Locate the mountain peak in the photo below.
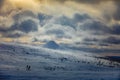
(52, 45)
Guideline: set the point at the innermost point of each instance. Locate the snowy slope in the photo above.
(53, 64)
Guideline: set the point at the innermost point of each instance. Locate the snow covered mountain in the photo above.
(53, 64)
(52, 45)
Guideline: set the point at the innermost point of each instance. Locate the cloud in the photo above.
(95, 27)
(112, 40)
(15, 34)
(116, 29)
(19, 30)
(116, 15)
(72, 20)
(106, 41)
(90, 40)
(22, 15)
(25, 26)
(6, 22)
(44, 18)
(24, 21)
(59, 31)
(90, 2)
(82, 1)
(1, 2)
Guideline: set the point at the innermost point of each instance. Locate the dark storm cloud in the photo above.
(78, 17)
(116, 15)
(1, 3)
(115, 29)
(72, 22)
(43, 18)
(3, 29)
(93, 41)
(23, 14)
(26, 26)
(90, 40)
(102, 42)
(95, 27)
(88, 24)
(112, 40)
(15, 35)
(23, 21)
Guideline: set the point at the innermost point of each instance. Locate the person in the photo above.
(28, 67)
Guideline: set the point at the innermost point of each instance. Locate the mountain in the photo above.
(29, 62)
(52, 45)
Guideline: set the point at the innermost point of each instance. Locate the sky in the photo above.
(93, 23)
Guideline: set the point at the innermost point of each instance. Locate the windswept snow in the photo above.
(53, 64)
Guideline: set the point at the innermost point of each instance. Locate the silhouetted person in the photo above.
(28, 67)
